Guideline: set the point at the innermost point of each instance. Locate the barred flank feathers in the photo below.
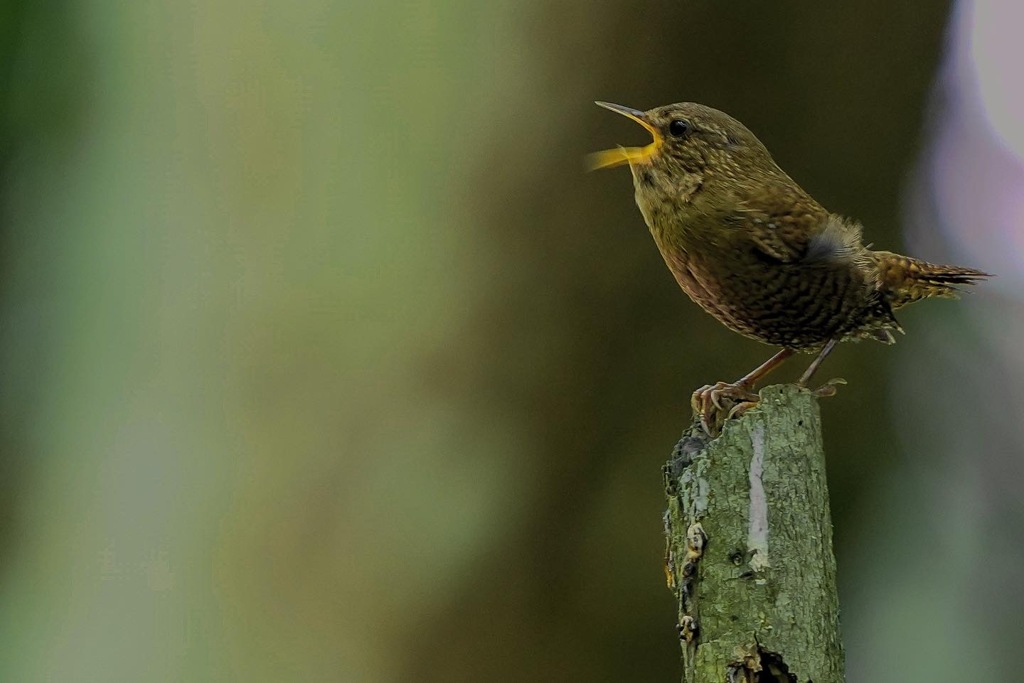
(905, 280)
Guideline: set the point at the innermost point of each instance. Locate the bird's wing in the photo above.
(786, 225)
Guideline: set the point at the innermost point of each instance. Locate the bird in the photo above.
(757, 252)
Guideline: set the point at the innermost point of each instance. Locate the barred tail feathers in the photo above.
(905, 280)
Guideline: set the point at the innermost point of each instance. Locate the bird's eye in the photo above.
(679, 128)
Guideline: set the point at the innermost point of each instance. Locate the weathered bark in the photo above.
(750, 548)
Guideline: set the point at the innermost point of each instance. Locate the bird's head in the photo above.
(690, 141)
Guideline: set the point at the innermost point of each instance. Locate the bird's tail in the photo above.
(906, 280)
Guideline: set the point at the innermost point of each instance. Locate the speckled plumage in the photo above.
(754, 250)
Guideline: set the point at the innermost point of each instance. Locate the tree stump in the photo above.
(749, 547)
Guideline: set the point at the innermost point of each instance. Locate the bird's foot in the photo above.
(718, 403)
(828, 388)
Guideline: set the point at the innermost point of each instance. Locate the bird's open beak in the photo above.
(610, 158)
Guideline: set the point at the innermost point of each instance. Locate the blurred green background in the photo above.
(323, 360)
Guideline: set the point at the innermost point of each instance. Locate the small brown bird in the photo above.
(754, 250)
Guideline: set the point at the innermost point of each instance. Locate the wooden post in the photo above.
(749, 553)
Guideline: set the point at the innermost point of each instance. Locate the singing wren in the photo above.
(757, 252)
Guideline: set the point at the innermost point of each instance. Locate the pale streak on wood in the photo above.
(757, 534)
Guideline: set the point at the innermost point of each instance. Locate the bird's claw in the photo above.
(718, 403)
(828, 388)
(715, 398)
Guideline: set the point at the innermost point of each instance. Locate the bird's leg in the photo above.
(829, 387)
(707, 402)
